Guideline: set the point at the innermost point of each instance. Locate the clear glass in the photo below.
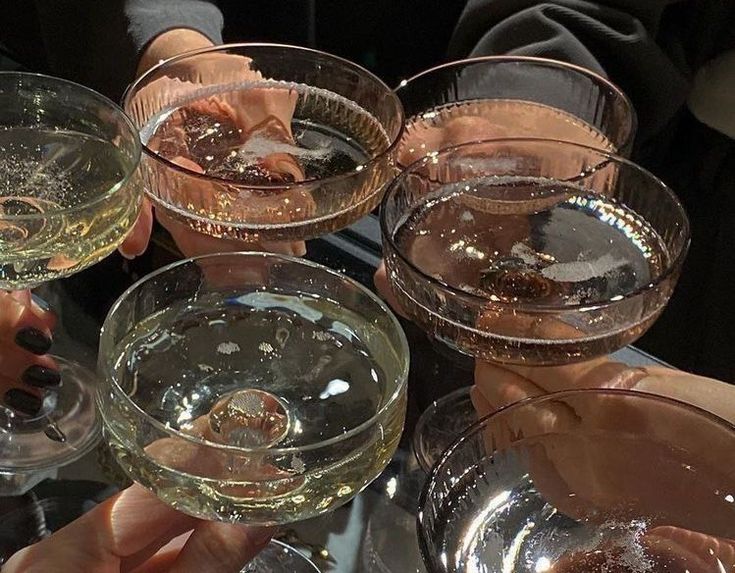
(263, 141)
(440, 424)
(531, 251)
(587, 480)
(252, 387)
(512, 96)
(278, 557)
(69, 194)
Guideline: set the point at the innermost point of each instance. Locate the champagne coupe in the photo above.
(69, 194)
(265, 142)
(531, 251)
(496, 97)
(580, 481)
(252, 387)
(512, 96)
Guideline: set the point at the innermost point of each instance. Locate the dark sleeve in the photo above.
(97, 43)
(149, 18)
(614, 38)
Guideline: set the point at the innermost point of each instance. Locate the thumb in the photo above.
(136, 242)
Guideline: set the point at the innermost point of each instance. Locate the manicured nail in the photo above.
(33, 340)
(41, 377)
(22, 402)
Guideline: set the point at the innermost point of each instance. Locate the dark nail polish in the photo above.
(41, 377)
(23, 402)
(33, 340)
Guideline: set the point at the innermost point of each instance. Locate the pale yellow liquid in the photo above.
(64, 204)
(305, 353)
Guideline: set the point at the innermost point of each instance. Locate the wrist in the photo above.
(169, 44)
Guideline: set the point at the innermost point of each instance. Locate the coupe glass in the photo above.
(512, 96)
(69, 194)
(265, 142)
(531, 251)
(252, 387)
(505, 96)
(441, 424)
(580, 481)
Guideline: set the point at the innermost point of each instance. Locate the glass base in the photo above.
(278, 557)
(66, 428)
(440, 424)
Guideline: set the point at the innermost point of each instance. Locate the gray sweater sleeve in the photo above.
(612, 37)
(149, 18)
(97, 42)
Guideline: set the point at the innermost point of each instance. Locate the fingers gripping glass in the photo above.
(69, 194)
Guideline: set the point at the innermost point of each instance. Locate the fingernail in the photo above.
(33, 340)
(41, 376)
(22, 401)
(127, 255)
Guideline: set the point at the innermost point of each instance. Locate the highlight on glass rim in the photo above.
(367, 287)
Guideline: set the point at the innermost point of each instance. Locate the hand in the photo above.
(591, 469)
(253, 111)
(490, 220)
(420, 139)
(162, 47)
(134, 532)
(25, 338)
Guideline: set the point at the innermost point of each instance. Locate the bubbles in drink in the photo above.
(266, 133)
(573, 248)
(303, 373)
(47, 179)
(520, 513)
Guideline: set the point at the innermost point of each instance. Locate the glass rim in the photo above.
(549, 63)
(425, 417)
(133, 88)
(167, 430)
(670, 269)
(119, 112)
(303, 559)
(480, 425)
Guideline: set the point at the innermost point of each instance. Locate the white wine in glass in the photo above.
(69, 194)
(252, 387)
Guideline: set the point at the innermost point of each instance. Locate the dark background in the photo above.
(393, 38)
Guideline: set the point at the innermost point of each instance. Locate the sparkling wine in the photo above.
(259, 370)
(521, 241)
(61, 206)
(301, 134)
(514, 526)
(462, 122)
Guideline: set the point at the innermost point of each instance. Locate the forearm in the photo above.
(147, 19)
(169, 44)
(163, 28)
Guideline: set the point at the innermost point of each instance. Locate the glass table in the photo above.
(374, 533)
